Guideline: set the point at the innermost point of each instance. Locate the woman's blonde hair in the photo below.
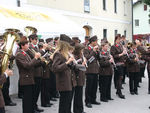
(63, 47)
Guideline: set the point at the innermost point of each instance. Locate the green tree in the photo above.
(147, 2)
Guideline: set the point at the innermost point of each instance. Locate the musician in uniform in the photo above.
(106, 72)
(133, 68)
(80, 80)
(26, 75)
(118, 54)
(86, 41)
(38, 70)
(92, 72)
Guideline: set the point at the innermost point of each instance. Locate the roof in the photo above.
(139, 1)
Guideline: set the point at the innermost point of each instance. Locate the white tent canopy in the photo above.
(49, 24)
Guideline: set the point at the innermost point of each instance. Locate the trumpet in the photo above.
(41, 58)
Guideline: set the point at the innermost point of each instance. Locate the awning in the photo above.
(48, 24)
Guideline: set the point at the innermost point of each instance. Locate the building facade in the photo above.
(103, 18)
(141, 17)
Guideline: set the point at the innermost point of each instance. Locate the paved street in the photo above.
(132, 103)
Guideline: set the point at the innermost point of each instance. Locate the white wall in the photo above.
(139, 13)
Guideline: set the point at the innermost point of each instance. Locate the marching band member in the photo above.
(92, 72)
(63, 73)
(133, 68)
(80, 80)
(106, 72)
(26, 75)
(38, 71)
(118, 54)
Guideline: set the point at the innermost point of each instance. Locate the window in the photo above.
(136, 22)
(145, 7)
(104, 4)
(125, 33)
(115, 6)
(104, 33)
(116, 32)
(87, 6)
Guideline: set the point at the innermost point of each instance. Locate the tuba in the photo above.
(10, 36)
(30, 30)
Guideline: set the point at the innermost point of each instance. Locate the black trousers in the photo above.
(20, 90)
(78, 100)
(64, 101)
(142, 70)
(45, 92)
(133, 81)
(148, 81)
(91, 88)
(105, 86)
(5, 91)
(27, 101)
(124, 74)
(118, 76)
(2, 110)
(52, 88)
(37, 90)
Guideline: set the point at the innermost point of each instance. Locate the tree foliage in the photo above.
(147, 2)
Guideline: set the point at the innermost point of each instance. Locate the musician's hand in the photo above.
(84, 63)
(95, 48)
(70, 60)
(37, 55)
(51, 57)
(45, 46)
(9, 72)
(111, 60)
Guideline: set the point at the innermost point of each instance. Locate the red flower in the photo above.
(117, 45)
(89, 48)
(103, 53)
(131, 51)
(33, 46)
(23, 53)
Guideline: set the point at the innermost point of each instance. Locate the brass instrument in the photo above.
(30, 30)
(10, 36)
(41, 58)
(147, 45)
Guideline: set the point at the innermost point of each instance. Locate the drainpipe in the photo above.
(18, 3)
(132, 19)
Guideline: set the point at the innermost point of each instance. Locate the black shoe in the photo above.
(11, 104)
(88, 105)
(39, 110)
(53, 99)
(47, 105)
(136, 92)
(132, 93)
(104, 100)
(149, 107)
(148, 92)
(35, 111)
(83, 112)
(139, 86)
(121, 96)
(110, 99)
(96, 103)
